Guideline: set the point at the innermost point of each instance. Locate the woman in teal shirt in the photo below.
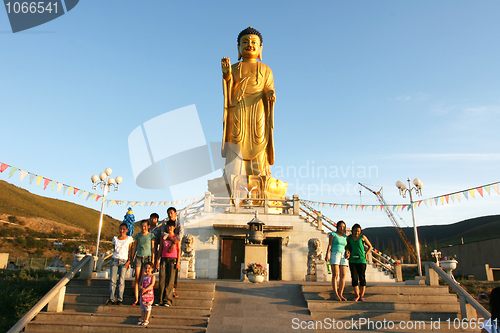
(143, 243)
(336, 254)
(357, 260)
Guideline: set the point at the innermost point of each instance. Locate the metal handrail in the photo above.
(19, 326)
(463, 295)
(383, 265)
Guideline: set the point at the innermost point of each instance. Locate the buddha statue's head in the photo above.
(250, 44)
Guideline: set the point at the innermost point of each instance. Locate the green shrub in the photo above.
(20, 291)
(13, 219)
(21, 241)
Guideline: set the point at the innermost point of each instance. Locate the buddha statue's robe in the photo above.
(247, 142)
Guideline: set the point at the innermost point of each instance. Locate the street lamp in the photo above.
(106, 183)
(418, 190)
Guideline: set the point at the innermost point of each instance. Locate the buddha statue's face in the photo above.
(250, 46)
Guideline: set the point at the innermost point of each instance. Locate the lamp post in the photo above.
(106, 183)
(418, 190)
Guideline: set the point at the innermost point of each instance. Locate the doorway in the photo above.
(232, 255)
(274, 252)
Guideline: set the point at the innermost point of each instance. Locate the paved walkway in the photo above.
(265, 307)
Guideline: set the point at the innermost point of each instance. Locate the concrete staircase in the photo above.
(373, 274)
(84, 310)
(425, 308)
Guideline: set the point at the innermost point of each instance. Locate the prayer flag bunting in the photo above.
(59, 186)
(12, 171)
(46, 182)
(53, 185)
(487, 188)
(32, 178)
(38, 180)
(65, 187)
(70, 189)
(3, 167)
(472, 193)
(23, 174)
(466, 194)
(480, 190)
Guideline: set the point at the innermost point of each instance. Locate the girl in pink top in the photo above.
(168, 265)
(147, 295)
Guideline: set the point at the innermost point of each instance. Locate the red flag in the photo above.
(46, 182)
(480, 190)
(3, 167)
(97, 198)
(447, 197)
(75, 190)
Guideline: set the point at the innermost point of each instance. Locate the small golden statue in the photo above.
(247, 141)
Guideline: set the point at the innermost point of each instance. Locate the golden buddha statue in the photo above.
(247, 141)
(248, 109)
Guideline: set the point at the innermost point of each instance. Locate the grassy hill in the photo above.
(471, 230)
(18, 202)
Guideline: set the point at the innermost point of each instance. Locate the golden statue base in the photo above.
(251, 187)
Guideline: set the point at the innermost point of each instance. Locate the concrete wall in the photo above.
(294, 256)
(472, 257)
(4, 260)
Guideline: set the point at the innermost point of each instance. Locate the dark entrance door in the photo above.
(231, 257)
(274, 257)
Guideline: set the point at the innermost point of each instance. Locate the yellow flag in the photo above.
(70, 190)
(472, 193)
(38, 180)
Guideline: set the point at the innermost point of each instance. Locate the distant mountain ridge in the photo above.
(16, 201)
(471, 230)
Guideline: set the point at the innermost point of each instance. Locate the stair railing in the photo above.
(382, 262)
(316, 217)
(433, 271)
(192, 210)
(55, 297)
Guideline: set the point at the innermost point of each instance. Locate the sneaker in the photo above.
(166, 304)
(119, 303)
(109, 302)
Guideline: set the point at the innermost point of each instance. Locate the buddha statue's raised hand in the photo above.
(226, 68)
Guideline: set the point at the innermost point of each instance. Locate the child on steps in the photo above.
(147, 295)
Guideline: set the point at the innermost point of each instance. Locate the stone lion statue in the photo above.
(188, 251)
(314, 253)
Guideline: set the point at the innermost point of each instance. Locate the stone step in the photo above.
(104, 290)
(81, 317)
(384, 297)
(393, 326)
(381, 315)
(128, 300)
(35, 326)
(194, 311)
(129, 283)
(387, 306)
(382, 289)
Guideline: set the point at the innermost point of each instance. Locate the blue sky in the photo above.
(401, 88)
